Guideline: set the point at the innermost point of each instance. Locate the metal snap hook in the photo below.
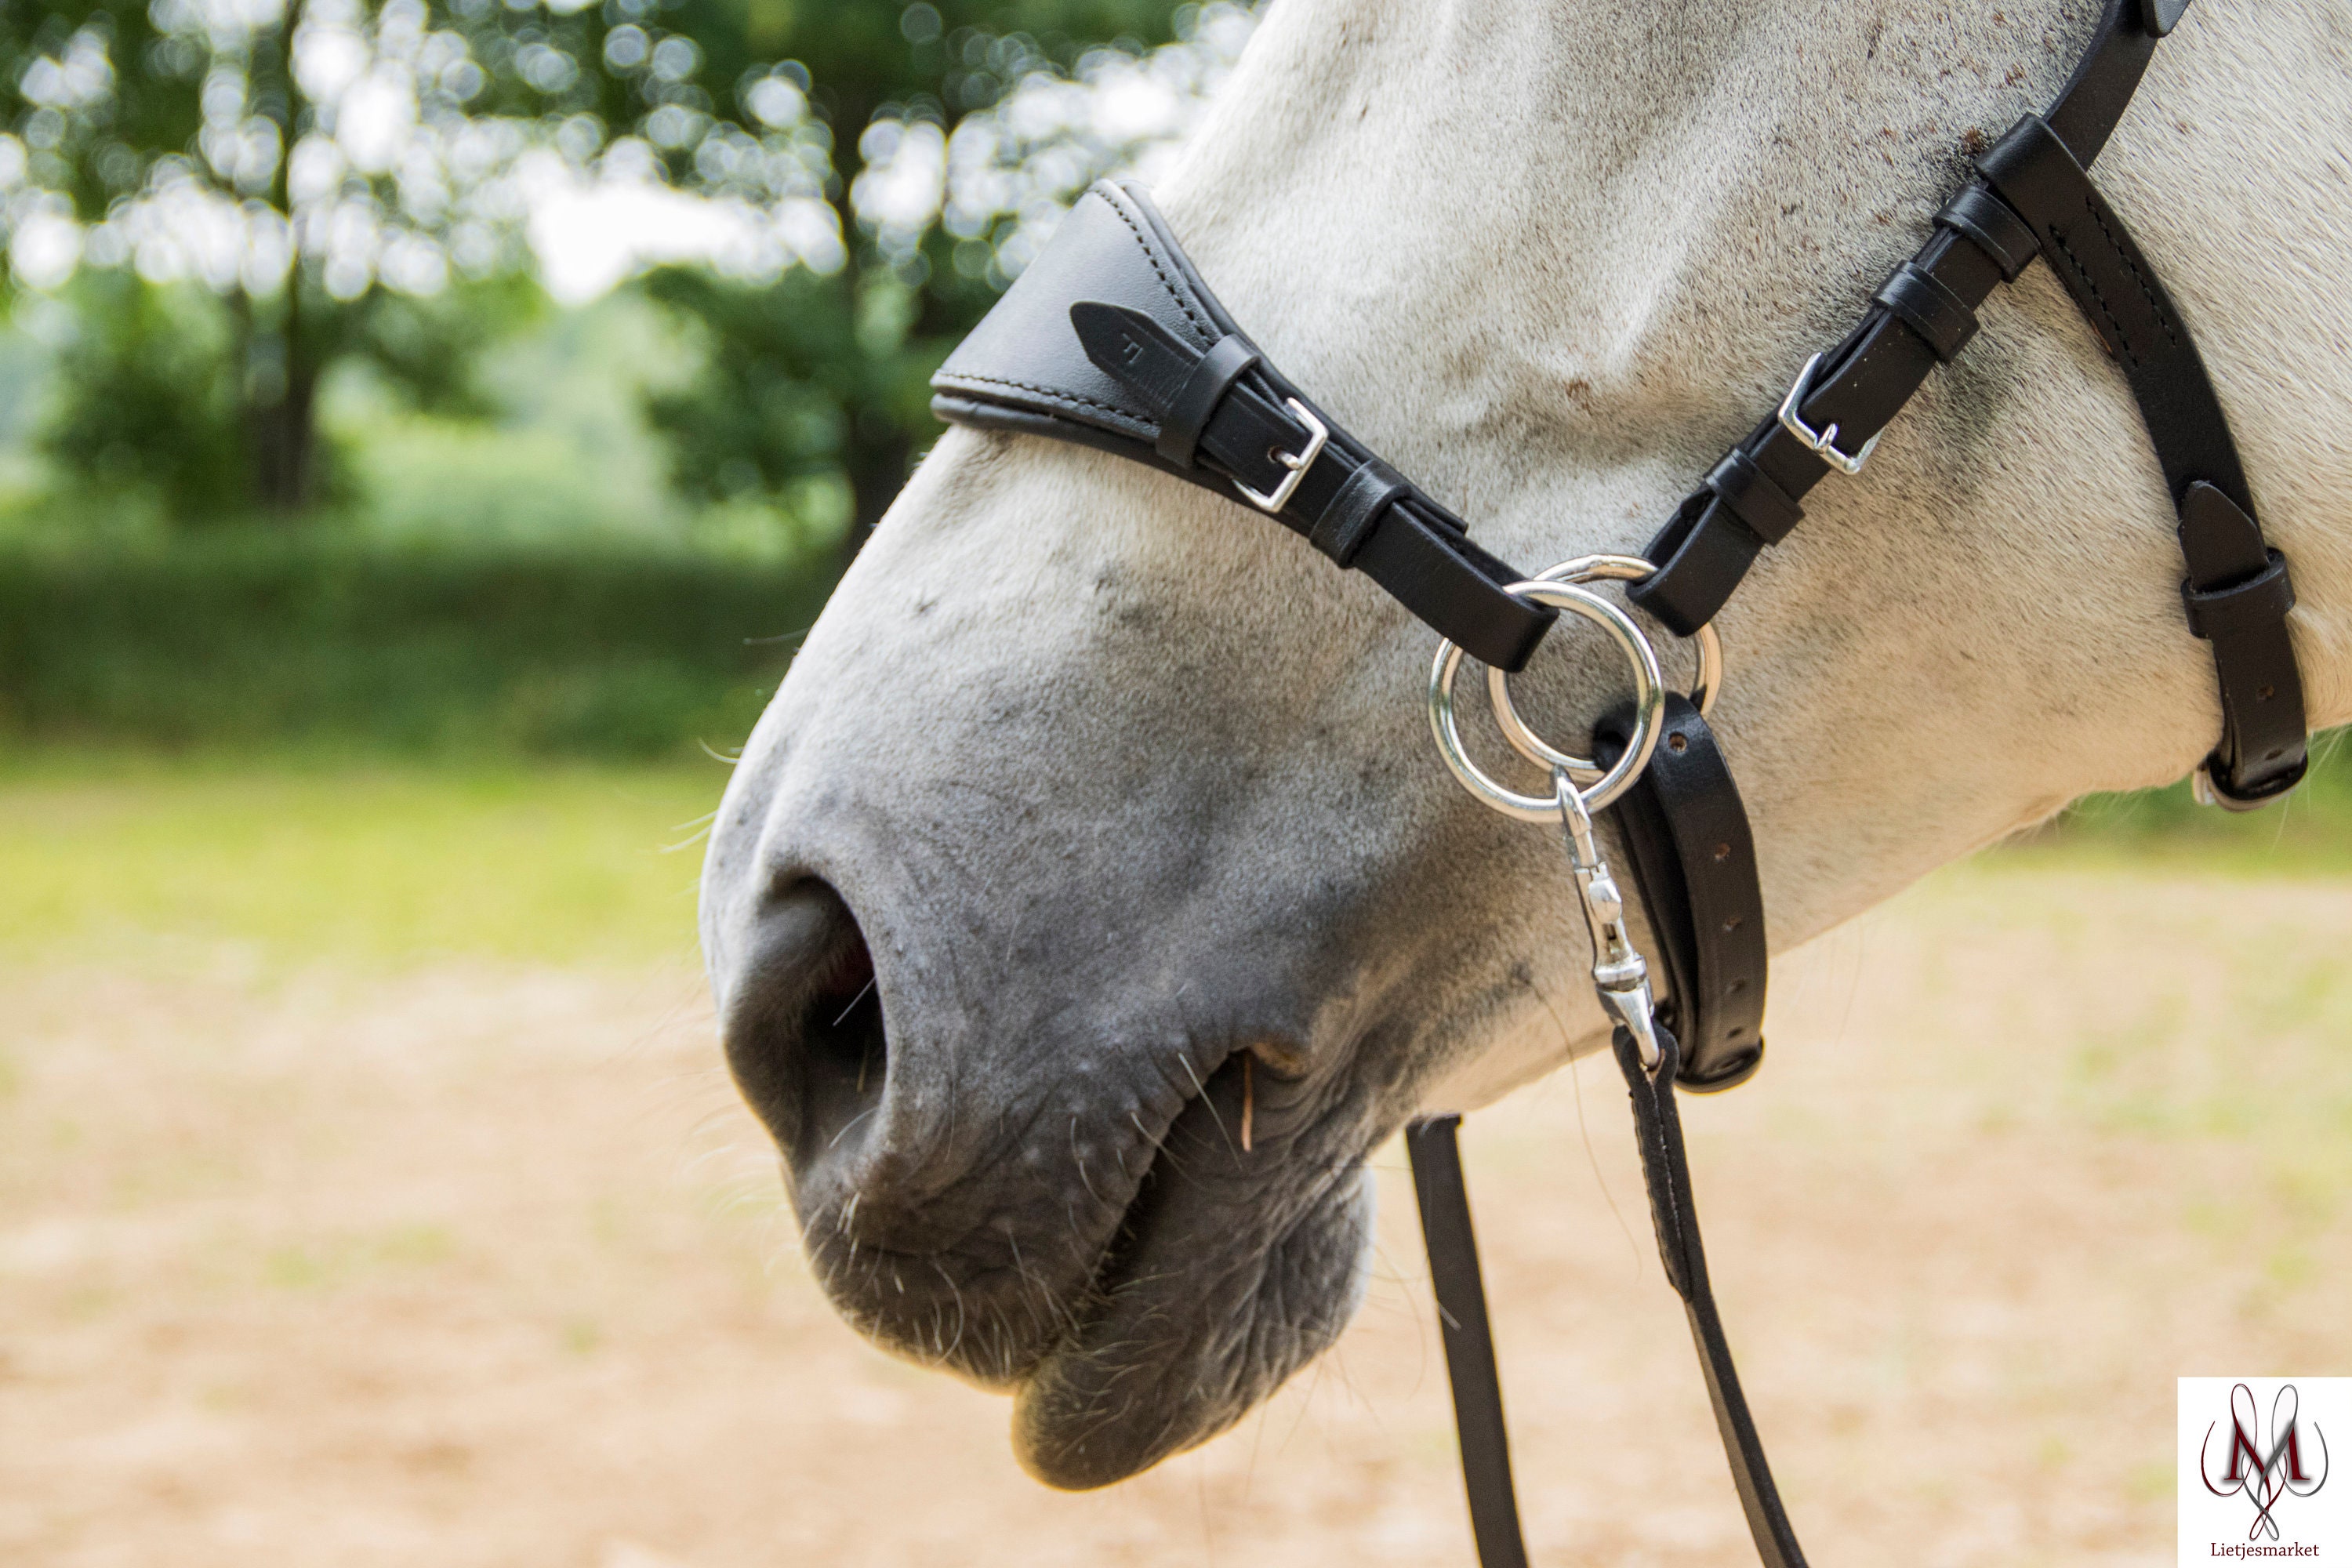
(1649, 706)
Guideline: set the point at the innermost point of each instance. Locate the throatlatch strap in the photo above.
(1469, 1344)
(2034, 197)
(2263, 751)
(1921, 316)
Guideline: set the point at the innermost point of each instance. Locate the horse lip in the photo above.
(1087, 1413)
(1285, 1061)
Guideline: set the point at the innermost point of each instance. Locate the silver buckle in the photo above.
(1823, 444)
(1298, 463)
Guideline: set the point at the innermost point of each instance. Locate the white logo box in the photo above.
(2265, 1471)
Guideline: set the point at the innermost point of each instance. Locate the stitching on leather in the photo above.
(2123, 339)
(1056, 394)
(1164, 280)
(2124, 255)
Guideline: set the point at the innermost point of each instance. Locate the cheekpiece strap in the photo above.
(1922, 315)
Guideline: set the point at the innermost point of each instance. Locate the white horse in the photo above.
(1099, 813)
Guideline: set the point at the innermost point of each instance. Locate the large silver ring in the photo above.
(1649, 706)
(1589, 569)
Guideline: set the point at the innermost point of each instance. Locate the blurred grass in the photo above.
(262, 638)
(108, 857)
(290, 857)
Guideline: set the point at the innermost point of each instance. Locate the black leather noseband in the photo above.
(1110, 339)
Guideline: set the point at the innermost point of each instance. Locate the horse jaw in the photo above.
(1118, 779)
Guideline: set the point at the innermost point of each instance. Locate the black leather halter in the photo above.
(1110, 339)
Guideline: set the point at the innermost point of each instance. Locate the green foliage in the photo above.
(275, 639)
(179, 401)
(830, 369)
(146, 407)
(429, 348)
(137, 118)
(780, 367)
(810, 375)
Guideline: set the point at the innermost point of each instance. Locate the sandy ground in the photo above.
(475, 1265)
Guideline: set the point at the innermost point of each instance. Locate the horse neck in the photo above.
(1553, 259)
(1585, 211)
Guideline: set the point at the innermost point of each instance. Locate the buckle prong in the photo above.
(1296, 462)
(1823, 444)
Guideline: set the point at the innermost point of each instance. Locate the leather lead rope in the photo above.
(1469, 1339)
(1445, 1228)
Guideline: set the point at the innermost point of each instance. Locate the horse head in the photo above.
(1090, 901)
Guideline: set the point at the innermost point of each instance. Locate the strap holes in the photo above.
(1733, 1032)
(1722, 852)
(1734, 989)
(1681, 742)
(2275, 755)
(2266, 693)
(1734, 922)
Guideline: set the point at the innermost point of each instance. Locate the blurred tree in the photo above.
(976, 124)
(319, 167)
(172, 392)
(311, 173)
(145, 398)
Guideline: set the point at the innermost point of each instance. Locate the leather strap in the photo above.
(2263, 751)
(1444, 1198)
(2236, 596)
(1922, 315)
(1110, 339)
(2034, 197)
(2001, 234)
(1674, 1213)
(1751, 495)
(1351, 514)
(1355, 508)
(1446, 1228)
(1187, 412)
(1686, 836)
(1944, 320)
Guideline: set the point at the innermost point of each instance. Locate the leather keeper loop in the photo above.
(1196, 403)
(2263, 599)
(1354, 508)
(1979, 215)
(1941, 318)
(2231, 794)
(1753, 496)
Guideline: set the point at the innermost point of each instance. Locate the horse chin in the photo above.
(1198, 1316)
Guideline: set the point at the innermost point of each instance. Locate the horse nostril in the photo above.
(806, 1037)
(841, 1025)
